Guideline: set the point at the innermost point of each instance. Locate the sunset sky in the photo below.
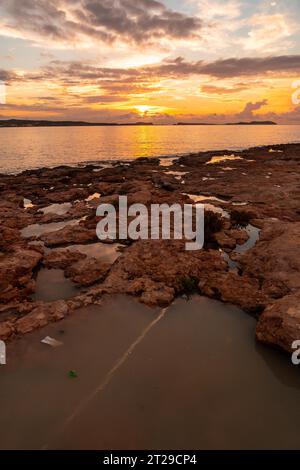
(162, 61)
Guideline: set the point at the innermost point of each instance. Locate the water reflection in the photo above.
(196, 379)
(30, 147)
(51, 284)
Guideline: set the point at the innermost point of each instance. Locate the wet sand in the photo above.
(190, 376)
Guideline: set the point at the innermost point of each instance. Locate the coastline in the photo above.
(264, 281)
(47, 123)
(36, 148)
(104, 163)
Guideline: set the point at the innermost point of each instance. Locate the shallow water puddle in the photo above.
(217, 210)
(200, 198)
(103, 167)
(107, 253)
(209, 207)
(167, 161)
(93, 196)
(231, 264)
(27, 203)
(51, 284)
(36, 230)
(133, 392)
(240, 203)
(176, 173)
(223, 158)
(58, 209)
(253, 233)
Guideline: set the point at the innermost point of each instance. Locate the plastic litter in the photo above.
(51, 342)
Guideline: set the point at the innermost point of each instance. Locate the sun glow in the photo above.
(144, 109)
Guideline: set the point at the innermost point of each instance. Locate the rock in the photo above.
(232, 288)
(68, 196)
(75, 234)
(168, 186)
(275, 289)
(8, 238)
(140, 197)
(225, 241)
(152, 269)
(77, 211)
(275, 260)
(6, 330)
(152, 293)
(13, 215)
(62, 258)
(16, 271)
(41, 316)
(240, 236)
(30, 322)
(111, 199)
(88, 271)
(159, 296)
(279, 325)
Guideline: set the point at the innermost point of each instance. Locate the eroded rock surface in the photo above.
(87, 271)
(262, 188)
(280, 323)
(62, 258)
(75, 234)
(16, 274)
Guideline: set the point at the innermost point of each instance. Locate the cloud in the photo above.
(7, 76)
(70, 21)
(104, 99)
(219, 9)
(222, 90)
(76, 113)
(148, 79)
(229, 68)
(269, 33)
(247, 112)
(43, 111)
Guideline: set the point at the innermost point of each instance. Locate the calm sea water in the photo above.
(195, 380)
(23, 148)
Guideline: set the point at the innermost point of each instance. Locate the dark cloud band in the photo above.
(140, 21)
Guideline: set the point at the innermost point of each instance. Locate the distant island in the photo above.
(242, 123)
(44, 123)
(252, 123)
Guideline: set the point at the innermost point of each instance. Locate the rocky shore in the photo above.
(251, 256)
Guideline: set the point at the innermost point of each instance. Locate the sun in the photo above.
(143, 109)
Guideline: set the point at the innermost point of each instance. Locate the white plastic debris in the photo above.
(51, 342)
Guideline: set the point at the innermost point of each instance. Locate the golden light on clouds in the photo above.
(144, 109)
(209, 60)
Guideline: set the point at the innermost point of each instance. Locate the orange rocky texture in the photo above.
(266, 283)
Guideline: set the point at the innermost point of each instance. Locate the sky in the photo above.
(160, 61)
